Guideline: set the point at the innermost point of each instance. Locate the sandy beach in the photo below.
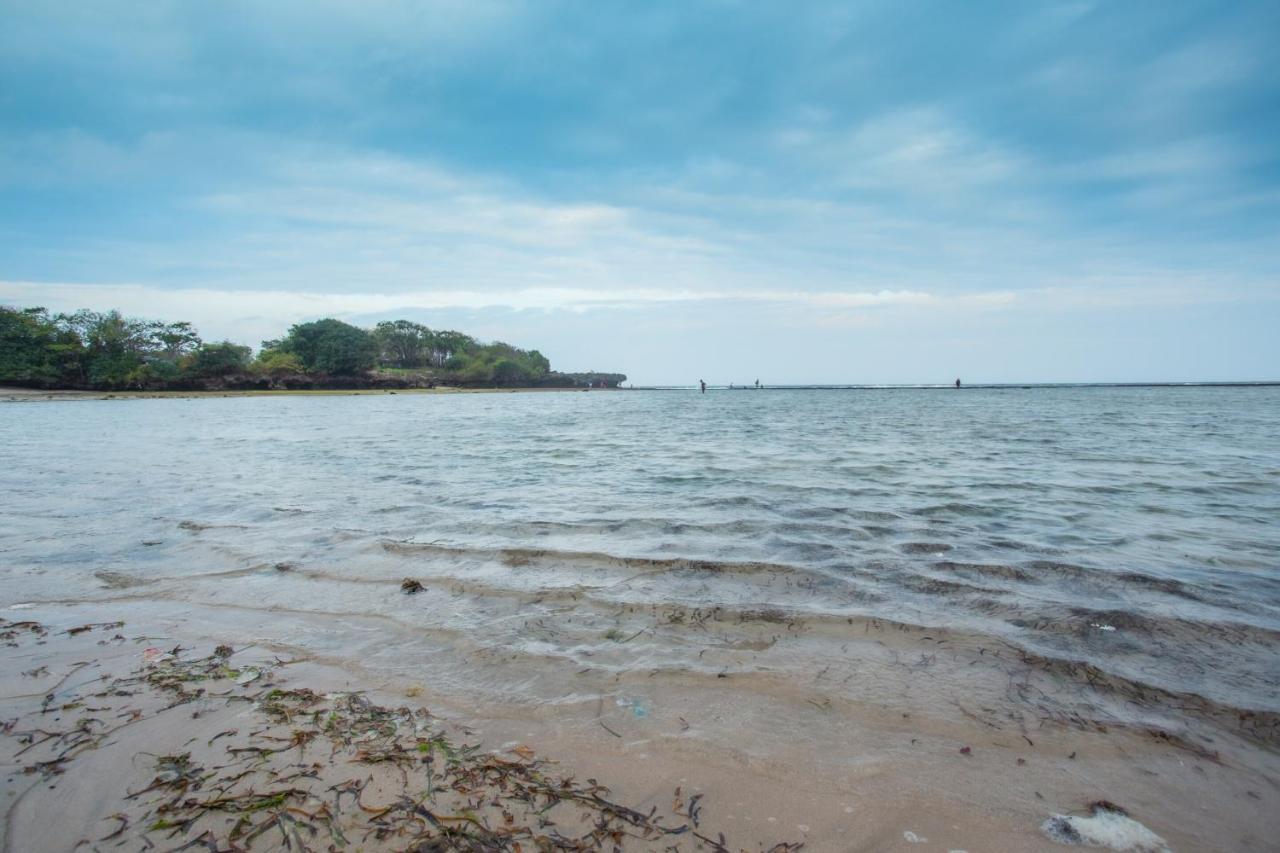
(78, 748)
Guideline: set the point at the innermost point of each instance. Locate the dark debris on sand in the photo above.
(312, 772)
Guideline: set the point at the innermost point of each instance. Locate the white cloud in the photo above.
(295, 305)
(920, 151)
(252, 315)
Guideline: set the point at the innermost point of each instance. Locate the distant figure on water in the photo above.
(757, 384)
(703, 383)
(957, 383)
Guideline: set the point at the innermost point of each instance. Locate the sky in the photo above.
(792, 192)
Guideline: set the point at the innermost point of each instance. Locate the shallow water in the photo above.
(1132, 529)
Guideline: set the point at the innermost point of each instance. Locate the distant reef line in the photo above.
(107, 351)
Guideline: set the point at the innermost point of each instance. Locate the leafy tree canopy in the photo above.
(222, 359)
(109, 350)
(331, 346)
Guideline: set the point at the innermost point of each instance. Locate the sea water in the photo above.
(1125, 535)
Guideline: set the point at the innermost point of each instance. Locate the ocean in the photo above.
(1096, 556)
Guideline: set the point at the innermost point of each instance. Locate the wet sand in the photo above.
(770, 765)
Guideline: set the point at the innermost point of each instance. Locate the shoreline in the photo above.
(883, 637)
(14, 394)
(32, 395)
(772, 767)
(184, 766)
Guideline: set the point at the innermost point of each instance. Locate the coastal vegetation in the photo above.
(108, 351)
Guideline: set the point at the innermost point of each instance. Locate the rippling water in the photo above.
(1133, 529)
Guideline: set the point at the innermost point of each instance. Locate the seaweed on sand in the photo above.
(12, 632)
(314, 772)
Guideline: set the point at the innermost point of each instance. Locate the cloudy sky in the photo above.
(796, 192)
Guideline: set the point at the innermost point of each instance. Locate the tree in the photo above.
(537, 364)
(331, 346)
(218, 360)
(115, 347)
(448, 345)
(403, 343)
(34, 349)
(510, 364)
(173, 341)
(277, 364)
(508, 371)
(109, 350)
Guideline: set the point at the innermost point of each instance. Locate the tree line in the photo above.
(106, 350)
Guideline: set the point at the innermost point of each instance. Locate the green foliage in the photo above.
(496, 363)
(173, 341)
(402, 343)
(111, 351)
(405, 344)
(33, 348)
(449, 344)
(331, 346)
(218, 360)
(87, 348)
(164, 372)
(454, 356)
(508, 371)
(277, 364)
(116, 347)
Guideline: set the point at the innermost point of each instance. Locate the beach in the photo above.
(883, 659)
(863, 776)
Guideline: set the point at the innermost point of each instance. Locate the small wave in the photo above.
(120, 580)
(1260, 726)
(197, 527)
(1058, 569)
(940, 586)
(517, 557)
(1014, 545)
(1165, 585)
(987, 570)
(738, 502)
(924, 548)
(1052, 569)
(1185, 632)
(962, 509)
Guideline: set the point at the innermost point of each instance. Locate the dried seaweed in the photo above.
(411, 786)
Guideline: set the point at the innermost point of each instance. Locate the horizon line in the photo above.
(888, 386)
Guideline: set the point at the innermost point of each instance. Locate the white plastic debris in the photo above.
(247, 675)
(153, 656)
(1105, 828)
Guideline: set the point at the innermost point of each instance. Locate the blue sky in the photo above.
(827, 192)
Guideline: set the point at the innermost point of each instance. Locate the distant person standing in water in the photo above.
(957, 383)
(703, 383)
